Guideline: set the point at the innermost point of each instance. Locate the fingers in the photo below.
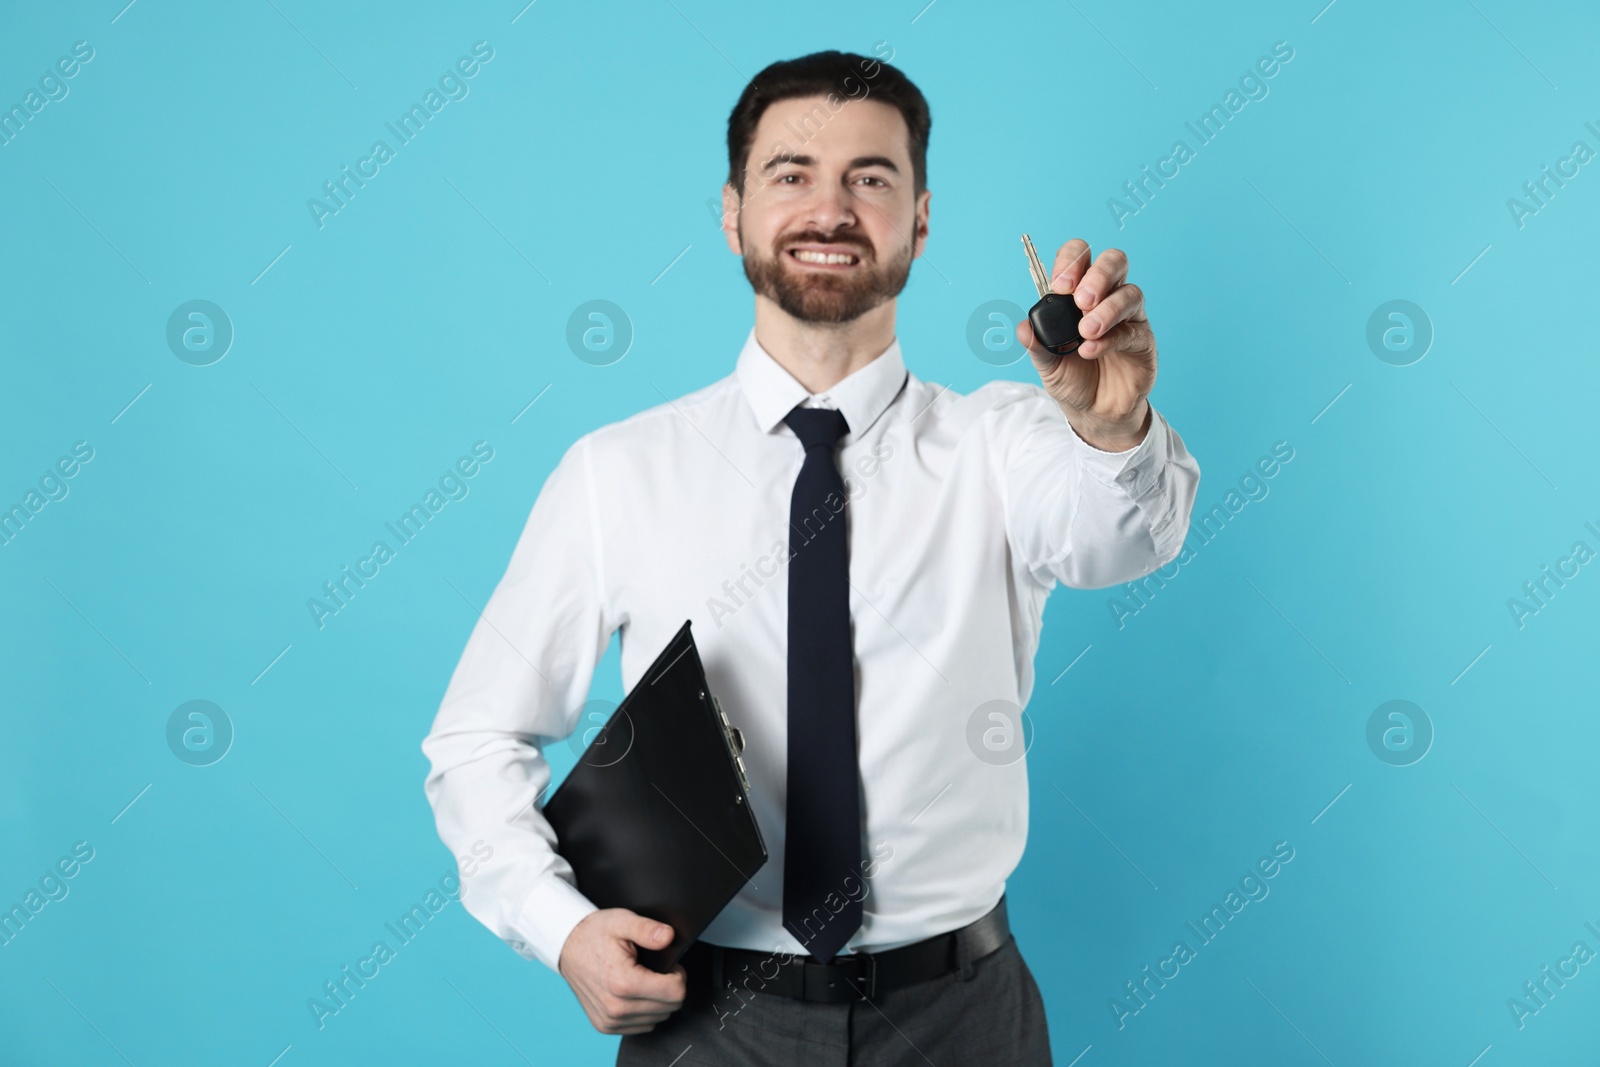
(635, 999)
(1134, 338)
(1108, 272)
(1072, 259)
(1125, 304)
(646, 990)
(611, 1018)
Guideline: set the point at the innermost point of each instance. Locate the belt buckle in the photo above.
(859, 971)
(866, 984)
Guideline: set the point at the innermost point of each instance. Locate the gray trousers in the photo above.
(997, 1016)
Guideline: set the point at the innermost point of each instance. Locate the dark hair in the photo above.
(831, 74)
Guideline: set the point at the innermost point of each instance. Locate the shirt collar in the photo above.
(861, 396)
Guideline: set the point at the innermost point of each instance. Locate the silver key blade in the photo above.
(1041, 280)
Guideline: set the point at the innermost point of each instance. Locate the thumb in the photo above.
(1043, 361)
(1024, 332)
(649, 933)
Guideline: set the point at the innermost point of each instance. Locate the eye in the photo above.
(871, 178)
(786, 177)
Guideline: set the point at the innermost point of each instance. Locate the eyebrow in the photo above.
(803, 160)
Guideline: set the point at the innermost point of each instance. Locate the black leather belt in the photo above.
(853, 976)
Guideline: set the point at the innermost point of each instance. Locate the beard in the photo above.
(827, 297)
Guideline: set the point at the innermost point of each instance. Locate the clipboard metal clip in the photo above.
(735, 739)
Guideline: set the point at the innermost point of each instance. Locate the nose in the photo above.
(831, 207)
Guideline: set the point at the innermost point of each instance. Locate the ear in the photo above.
(730, 219)
(922, 223)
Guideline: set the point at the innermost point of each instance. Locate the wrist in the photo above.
(1111, 435)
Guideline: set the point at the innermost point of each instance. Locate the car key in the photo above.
(1056, 316)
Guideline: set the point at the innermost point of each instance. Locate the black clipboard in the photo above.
(656, 815)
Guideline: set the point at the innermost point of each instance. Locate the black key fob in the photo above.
(1055, 321)
(1056, 316)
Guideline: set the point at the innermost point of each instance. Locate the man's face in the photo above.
(829, 223)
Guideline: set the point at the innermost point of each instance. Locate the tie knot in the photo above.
(817, 427)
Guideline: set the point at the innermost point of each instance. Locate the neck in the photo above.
(820, 355)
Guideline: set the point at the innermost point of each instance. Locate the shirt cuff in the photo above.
(547, 916)
(1133, 469)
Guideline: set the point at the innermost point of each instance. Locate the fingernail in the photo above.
(1091, 325)
(1085, 298)
(1058, 283)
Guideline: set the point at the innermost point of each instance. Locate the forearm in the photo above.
(483, 787)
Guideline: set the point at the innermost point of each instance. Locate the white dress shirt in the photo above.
(964, 512)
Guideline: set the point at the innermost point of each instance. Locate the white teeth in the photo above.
(807, 256)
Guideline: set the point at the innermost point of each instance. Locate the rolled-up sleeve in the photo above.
(1086, 517)
(519, 685)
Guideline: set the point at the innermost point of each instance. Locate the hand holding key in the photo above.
(1099, 366)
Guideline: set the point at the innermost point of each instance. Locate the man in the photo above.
(865, 559)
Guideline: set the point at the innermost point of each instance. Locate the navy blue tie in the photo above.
(822, 845)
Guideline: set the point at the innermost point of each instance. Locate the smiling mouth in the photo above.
(833, 260)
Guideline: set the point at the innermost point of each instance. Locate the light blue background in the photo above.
(425, 316)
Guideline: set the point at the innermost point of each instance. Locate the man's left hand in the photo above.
(1102, 387)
